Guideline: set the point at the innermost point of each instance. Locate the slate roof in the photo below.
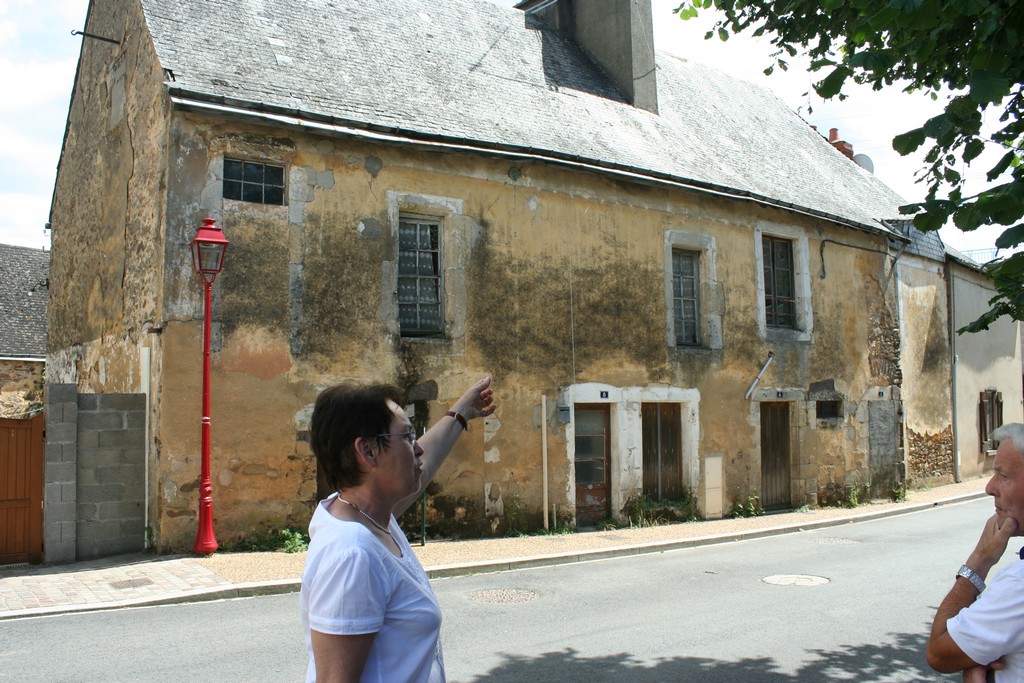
(471, 72)
(926, 244)
(24, 294)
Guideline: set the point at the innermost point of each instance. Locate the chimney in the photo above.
(617, 34)
(842, 145)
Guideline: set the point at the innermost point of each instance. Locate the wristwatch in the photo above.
(971, 576)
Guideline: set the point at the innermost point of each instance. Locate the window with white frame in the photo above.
(685, 296)
(783, 282)
(693, 295)
(419, 276)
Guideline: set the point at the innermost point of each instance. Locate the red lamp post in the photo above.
(208, 249)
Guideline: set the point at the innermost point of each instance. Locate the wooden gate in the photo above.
(662, 450)
(21, 490)
(775, 464)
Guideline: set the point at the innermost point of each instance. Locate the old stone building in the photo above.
(678, 286)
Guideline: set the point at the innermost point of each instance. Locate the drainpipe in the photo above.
(144, 370)
(757, 379)
(544, 453)
(950, 284)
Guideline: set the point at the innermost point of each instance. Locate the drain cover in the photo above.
(795, 580)
(130, 583)
(507, 595)
(833, 540)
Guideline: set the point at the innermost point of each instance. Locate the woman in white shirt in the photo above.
(367, 607)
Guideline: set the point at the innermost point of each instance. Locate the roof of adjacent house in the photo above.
(484, 77)
(24, 293)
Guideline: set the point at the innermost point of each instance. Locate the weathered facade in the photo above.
(667, 305)
(957, 387)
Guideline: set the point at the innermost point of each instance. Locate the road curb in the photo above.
(554, 559)
(285, 586)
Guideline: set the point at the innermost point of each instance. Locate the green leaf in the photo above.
(723, 35)
(988, 86)
(1003, 164)
(833, 83)
(973, 149)
(967, 218)
(906, 143)
(929, 221)
(938, 127)
(1011, 237)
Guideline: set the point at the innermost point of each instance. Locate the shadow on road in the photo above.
(898, 660)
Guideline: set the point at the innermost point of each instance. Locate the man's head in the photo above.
(1007, 483)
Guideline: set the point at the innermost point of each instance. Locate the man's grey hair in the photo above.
(1014, 431)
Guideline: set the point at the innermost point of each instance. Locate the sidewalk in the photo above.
(145, 579)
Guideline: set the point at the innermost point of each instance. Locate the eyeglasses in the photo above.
(410, 437)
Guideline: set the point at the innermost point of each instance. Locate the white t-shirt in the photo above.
(993, 626)
(353, 584)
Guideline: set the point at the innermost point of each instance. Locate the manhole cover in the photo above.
(507, 595)
(832, 540)
(130, 583)
(795, 580)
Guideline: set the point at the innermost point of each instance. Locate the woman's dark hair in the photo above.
(341, 414)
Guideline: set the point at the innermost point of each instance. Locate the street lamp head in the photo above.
(208, 247)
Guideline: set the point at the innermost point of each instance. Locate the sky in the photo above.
(38, 57)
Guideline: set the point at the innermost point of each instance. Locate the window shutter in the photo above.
(982, 423)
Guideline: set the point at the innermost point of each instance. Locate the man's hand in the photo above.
(991, 545)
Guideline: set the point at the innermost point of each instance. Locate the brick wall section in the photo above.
(94, 499)
(60, 473)
(111, 474)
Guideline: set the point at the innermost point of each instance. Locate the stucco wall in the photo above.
(985, 360)
(555, 280)
(927, 358)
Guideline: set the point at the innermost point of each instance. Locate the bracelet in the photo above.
(458, 418)
(971, 576)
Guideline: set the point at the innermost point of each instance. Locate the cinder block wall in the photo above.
(60, 473)
(94, 501)
(111, 474)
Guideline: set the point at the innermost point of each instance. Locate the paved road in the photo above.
(708, 615)
(704, 614)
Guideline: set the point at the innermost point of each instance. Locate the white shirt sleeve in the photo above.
(348, 593)
(993, 626)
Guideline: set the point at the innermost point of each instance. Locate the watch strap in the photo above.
(458, 418)
(971, 576)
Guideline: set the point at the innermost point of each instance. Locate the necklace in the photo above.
(372, 520)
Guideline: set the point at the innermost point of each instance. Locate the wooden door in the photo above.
(775, 460)
(661, 431)
(21, 490)
(593, 446)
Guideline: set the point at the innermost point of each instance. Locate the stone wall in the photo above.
(930, 456)
(20, 374)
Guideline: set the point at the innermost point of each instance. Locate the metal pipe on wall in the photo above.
(544, 453)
